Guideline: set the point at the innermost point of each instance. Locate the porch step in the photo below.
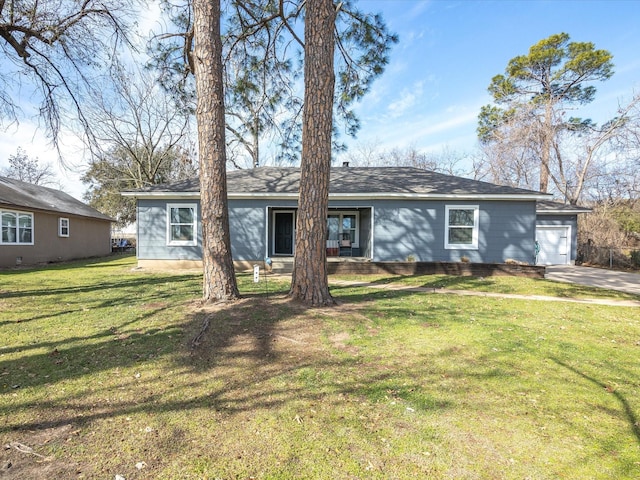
(282, 265)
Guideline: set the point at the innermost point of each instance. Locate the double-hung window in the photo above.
(343, 225)
(182, 228)
(349, 227)
(17, 228)
(461, 226)
(63, 227)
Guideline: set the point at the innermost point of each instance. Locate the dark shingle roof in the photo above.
(551, 207)
(23, 195)
(350, 180)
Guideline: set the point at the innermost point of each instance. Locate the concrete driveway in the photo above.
(595, 277)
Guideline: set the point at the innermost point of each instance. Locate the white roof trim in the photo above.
(350, 196)
(561, 212)
(162, 195)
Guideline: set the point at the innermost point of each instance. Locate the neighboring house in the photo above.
(377, 214)
(41, 224)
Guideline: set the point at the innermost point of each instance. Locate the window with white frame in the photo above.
(341, 225)
(461, 226)
(17, 228)
(182, 224)
(63, 227)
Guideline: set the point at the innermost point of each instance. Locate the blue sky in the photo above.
(432, 90)
(437, 79)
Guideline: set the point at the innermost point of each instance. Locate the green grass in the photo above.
(499, 284)
(98, 373)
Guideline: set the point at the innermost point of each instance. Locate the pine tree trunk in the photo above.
(309, 283)
(545, 158)
(219, 275)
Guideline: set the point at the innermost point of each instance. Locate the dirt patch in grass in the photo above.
(252, 324)
(239, 361)
(24, 459)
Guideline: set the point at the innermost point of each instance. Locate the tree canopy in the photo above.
(263, 58)
(58, 48)
(529, 117)
(28, 169)
(139, 138)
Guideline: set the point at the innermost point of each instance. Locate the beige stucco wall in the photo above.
(88, 237)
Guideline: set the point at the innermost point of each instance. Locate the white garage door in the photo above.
(554, 245)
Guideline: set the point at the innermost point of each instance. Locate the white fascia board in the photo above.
(349, 196)
(163, 195)
(562, 212)
(270, 196)
(399, 196)
(438, 196)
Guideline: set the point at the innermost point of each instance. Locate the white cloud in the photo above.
(408, 99)
(32, 139)
(462, 119)
(454, 126)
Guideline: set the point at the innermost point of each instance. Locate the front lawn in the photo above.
(106, 371)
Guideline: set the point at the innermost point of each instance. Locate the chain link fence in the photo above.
(620, 258)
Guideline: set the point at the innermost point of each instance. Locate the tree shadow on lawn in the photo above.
(259, 355)
(249, 357)
(132, 284)
(466, 282)
(120, 291)
(629, 414)
(95, 262)
(256, 356)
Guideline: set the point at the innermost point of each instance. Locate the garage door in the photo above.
(554, 245)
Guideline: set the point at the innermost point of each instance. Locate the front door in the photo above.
(283, 230)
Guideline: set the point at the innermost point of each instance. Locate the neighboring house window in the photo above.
(181, 224)
(461, 229)
(63, 227)
(17, 228)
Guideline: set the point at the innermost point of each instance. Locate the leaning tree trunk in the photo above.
(219, 275)
(309, 283)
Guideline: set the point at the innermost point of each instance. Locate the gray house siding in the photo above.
(417, 229)
(389, 230)
(247, 220)
(399, 213)
(152, 232)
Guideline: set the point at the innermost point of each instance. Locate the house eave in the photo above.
(562, 212)
(438, 196)
(400, 196)
(54, 211)
(348, 196)
(162, 195)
